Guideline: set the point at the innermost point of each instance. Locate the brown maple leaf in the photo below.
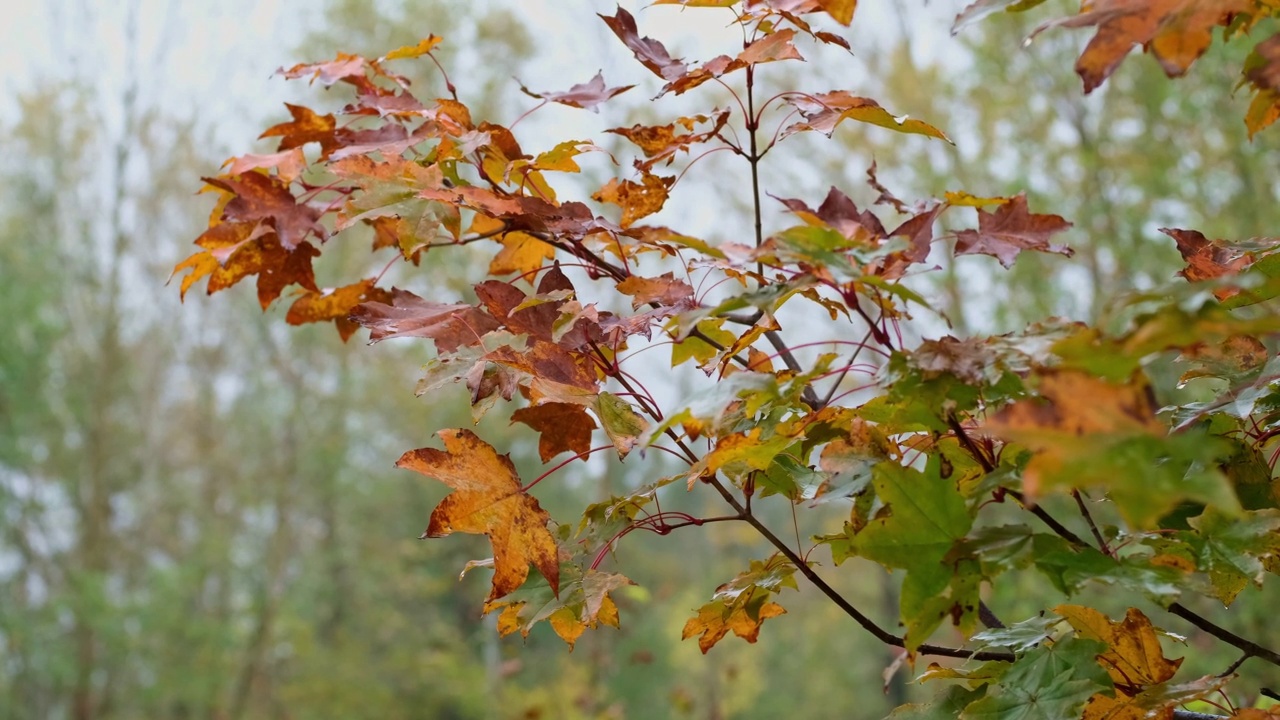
(450, 325)
(664, 290)
(1263, 66)
(651, 53)
(824, 111)
(288, 164)
(660, 143)
(1010, 230)
(588, 95)
(839, 213)
(265, 257)
(1175, 32)
(488, 500)
(260, 197)
(562, 426)
(1207, 259)
(307, 126)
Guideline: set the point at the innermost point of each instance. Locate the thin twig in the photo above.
(1249, 647)
(867, 623)
(808, 395)
(988, 466)
(1088, 517)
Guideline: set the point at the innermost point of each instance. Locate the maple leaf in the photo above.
(451, 325)
(1233, 550)
(1011, 229)
(775, 46)
(583, 602)
(259, 197)
(772, 47)
(555, 375)
(636, 199)
(839, 213)
(824, 111)
(918, 232)
(1262, 68)
(588, 95)
(651, 53)
(335, 305)
(1175, 32)
(1134, 658)
(264, 256)
(981, 8)
(341, 67)
(1208, 259)
(424, 46)
(288, 164)
(521, 253)
(660, 143)
(1157, 701)
(521, 313)
(664, 290)
(1262, 71)
(488, 500)
(1050, 682)
(742, 604)
(1089, 432)
(840, 10)
(305, 127)
(219, 242)
(561, 157)
(621, 422)
(562, 427)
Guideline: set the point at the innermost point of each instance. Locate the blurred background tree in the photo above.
(213, 530)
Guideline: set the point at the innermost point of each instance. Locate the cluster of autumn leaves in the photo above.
(955, 423)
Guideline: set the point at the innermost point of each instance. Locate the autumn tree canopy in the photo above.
(963, 461)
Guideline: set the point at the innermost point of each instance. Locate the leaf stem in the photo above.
(579, 456)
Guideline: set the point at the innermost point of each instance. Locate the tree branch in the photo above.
(1250, 648)
(867, 623)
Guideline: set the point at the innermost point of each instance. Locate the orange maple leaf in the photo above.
(743, 616)
(1176, 32)
(489, 501)
(1134, 658)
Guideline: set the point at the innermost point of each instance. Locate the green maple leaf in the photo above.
(1050, 682)
(1062, 698)
(1020, 636)
(923, 516)
(1232, 550)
